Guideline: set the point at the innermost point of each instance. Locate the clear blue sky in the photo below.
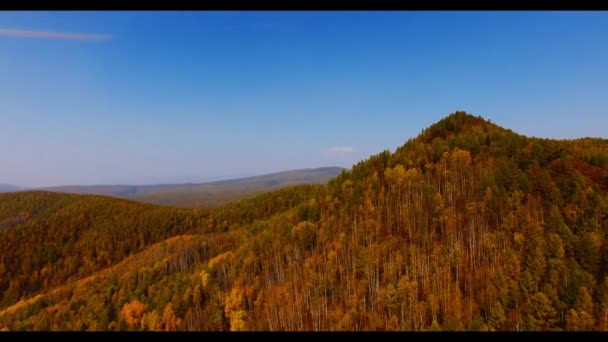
(145, 97)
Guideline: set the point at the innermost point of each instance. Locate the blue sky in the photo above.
(148, 97)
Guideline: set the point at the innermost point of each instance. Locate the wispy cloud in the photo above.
(335, 150)
(19, 33)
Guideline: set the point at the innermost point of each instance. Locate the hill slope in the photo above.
(207, 195)
(468, 226)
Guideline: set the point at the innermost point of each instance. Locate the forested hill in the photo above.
(468, 226)
(48, 239)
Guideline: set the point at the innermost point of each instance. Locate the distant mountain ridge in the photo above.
(207, 194)
(8, 188)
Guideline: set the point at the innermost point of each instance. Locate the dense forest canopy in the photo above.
(468, 226)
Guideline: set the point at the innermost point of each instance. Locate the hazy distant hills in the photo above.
(209, 194)
(105, 190)
(8, 188)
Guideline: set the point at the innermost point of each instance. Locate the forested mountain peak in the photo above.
(479, 139)
(455, 123)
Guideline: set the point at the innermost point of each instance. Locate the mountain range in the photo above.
(209, 194)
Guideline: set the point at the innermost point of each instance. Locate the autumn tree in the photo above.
(133, 312)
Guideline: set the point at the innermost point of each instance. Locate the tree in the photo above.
(133, 312)
(543, 315)
(497, 317)
(169, 321)
(305, 234)
(234, 309)
(150, 321)
(581, 317)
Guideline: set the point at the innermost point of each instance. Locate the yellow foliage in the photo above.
(233, 309)
(237, 320)
(347, 187)
(412, 174)
(220, 259)
(132, 312)
(519, 238)
(486, 327)
(399, 174)
(170, 322)
(462, 157)
(150, 321)
(234, 300)
(205, 279)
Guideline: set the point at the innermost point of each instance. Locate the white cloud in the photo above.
(18, 33)
(335, 150)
